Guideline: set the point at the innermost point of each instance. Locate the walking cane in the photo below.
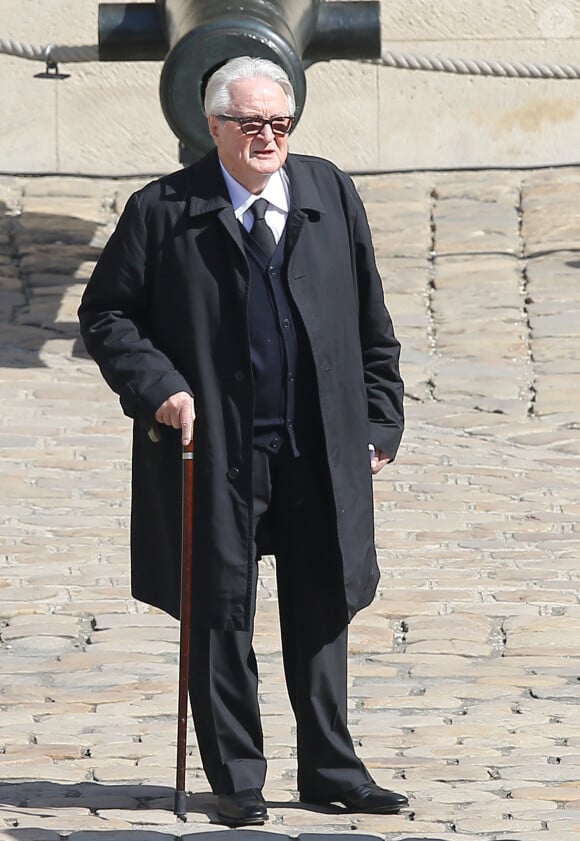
(180, 808)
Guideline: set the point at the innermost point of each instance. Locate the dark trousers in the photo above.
(292, 511)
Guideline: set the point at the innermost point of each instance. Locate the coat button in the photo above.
(239, 376)
(233, 473)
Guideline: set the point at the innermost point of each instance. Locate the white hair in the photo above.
(217, 93)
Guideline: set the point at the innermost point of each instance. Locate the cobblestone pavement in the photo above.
(464, 672)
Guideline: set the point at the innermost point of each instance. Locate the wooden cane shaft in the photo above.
(185, 625)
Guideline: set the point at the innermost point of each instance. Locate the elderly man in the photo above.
(242, 293)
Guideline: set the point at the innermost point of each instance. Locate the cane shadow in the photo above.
(38, 795)
(44, 262)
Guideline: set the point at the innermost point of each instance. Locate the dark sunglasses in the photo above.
(254, 125)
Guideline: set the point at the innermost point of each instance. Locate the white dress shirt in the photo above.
(277, 194)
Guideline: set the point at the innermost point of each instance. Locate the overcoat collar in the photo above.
(209, 194)
(208, 190)
(304, 194)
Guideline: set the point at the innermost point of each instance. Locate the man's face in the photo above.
(251, 160)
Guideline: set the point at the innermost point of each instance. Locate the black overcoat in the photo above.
(166, 311)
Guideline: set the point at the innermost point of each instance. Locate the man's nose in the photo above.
(267, 132)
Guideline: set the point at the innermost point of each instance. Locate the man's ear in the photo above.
(213, 126)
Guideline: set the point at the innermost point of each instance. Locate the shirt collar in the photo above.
(276, 192)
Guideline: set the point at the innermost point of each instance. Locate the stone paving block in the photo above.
(552, 278)
(465, 224)
(556, 397)
(136, 831)
(552, 349)
(552, 774)
(406, 276)
(38, 767)
(21, 626)
(530, 836)
(66, 187)
(86, 826)
(33, 229)
(35, 834)
(563, 793)
(140, 620)
(57, 259)
(54, 752)
(408, 186)
(485, 823)
(459, 625)
(139, 629)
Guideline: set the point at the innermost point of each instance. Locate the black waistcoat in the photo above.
(286, 402)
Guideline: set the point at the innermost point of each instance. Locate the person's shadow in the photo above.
(45, 260)
(41, 798)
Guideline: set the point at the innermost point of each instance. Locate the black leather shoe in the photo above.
(242, 808)
(368, 798)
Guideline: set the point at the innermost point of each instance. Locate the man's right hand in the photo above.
(178, 411)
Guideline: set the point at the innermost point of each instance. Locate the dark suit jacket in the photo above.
(165, 311)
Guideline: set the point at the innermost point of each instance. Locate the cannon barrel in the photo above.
(195, 37)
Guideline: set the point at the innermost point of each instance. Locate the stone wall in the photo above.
(106, 118)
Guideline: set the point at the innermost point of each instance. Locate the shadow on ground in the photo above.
(42, 256)
(31, 798)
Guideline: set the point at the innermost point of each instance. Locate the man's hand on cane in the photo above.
(178, 411)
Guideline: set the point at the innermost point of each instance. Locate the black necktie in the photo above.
(260, 232)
